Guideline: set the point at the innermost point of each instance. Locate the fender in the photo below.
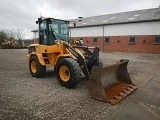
(40, 58)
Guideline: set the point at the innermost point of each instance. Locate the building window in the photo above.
(95, 40)
(132, 40)
(157, 40)
(106, 40)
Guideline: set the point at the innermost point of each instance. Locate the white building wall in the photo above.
(143, 28)
(87, 31)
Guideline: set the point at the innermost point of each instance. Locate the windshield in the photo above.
(60, 29)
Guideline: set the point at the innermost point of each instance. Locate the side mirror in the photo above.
(67, 22)
(39, 20)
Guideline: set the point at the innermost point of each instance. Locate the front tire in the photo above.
(35, 67)
(68, 72)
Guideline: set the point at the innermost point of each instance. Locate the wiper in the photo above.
(57, 34)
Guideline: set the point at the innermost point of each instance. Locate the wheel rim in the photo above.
(33, 66)
(64, 73)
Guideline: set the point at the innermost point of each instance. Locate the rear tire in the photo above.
(35, 67)
(68, 72)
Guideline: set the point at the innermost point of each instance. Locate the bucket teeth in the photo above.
(133, 86)
(122, 95)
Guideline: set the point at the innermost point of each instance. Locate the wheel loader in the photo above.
(70, 59)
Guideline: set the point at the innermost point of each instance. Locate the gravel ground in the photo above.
(24, 97)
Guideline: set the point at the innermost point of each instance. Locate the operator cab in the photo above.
(52, 30)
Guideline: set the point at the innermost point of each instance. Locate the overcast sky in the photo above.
(22, 14)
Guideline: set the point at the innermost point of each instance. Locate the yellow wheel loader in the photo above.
(110, 84)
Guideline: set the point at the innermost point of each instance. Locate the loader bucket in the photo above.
(111, 83)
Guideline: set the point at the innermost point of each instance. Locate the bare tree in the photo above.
(10, 33)
(3, 35)
(19, 35)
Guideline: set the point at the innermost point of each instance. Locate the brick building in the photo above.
(134, 31)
